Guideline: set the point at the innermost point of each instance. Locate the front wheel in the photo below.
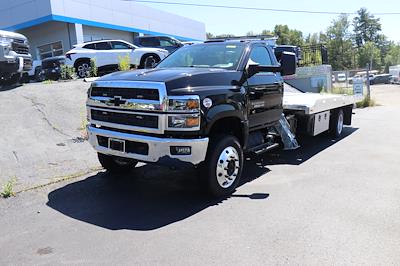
(114, 164)
(223, 166)
(149, 61)
(83, 69)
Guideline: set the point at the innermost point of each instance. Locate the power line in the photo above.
(257, 8)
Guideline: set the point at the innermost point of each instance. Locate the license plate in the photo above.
(116, 144)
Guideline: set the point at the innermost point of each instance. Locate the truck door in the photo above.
(264, 90)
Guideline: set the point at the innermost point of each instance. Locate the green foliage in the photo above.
(67, 72)
(47, 81)
(124, 62)
(8, 188)
(342, 90)
(339, 44)
(369, 54)
(366, 27)
(93, 68)
(392, 57)
(288, 36)
(366, 102)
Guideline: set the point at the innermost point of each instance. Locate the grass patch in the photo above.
(47, 81)
(8, 188)
(342, 90)
(83, 126)
(366, 102)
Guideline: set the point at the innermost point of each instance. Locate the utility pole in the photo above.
(368, 83)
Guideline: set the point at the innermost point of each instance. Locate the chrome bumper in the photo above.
(158, 148)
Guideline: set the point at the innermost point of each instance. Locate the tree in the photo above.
(288, 36)
(366, 27)
(392, 57)
(369, 54)
(340, 46)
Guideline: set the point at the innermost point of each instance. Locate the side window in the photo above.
(149, 42)
(89, 46)
(260, 56)
(103, 46)
(120, 45)
(165, 42)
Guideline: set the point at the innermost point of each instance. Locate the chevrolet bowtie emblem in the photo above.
(117, 101)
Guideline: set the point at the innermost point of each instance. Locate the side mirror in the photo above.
(253, 69)
(288, 63)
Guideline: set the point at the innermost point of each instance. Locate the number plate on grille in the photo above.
(116, 144)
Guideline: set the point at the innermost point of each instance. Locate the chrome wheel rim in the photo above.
(83, 69)
(340, 124)
(228, 166)
(149, 62)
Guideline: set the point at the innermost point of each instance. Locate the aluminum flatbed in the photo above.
(312, 103)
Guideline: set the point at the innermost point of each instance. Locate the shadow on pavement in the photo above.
(4, 87)
(152, 197)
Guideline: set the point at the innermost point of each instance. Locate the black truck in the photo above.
(207, 106)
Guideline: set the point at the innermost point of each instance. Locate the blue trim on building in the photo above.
(88, 23)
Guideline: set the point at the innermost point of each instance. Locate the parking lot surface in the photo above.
(327, 203)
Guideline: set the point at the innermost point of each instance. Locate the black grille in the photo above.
(126, 93)
(149, 121)
(130, 146)
(20, 48)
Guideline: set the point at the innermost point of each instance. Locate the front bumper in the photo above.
(158, 148)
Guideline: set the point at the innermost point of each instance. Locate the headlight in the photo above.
(184, 121)
(184, 104)
(6, 41)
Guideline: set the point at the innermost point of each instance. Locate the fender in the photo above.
(221, 111)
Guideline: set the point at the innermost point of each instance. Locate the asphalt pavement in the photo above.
(327, 203)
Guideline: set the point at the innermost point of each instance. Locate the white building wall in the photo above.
(95, 33)
(129, 14)
(115, 14)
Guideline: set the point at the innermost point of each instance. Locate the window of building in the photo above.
(50, 50)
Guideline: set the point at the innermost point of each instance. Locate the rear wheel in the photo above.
(336, 123)
(222, 168)
(116, 164)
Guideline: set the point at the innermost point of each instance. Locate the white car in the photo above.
(107, 54)
(341, 77)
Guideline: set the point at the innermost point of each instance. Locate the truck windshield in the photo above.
(210, 55)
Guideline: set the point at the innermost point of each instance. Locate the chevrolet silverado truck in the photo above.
(206, 106)
(15, 58)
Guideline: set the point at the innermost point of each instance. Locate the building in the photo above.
(54, 26)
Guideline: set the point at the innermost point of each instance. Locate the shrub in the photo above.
(124, 62)
(366, 102)
(67, 72)
(93, 68)
(8, 188)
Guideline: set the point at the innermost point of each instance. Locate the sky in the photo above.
(239, 22)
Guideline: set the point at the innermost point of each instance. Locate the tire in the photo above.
(148, 61)
(82, 68)
(336, 123)
(222, 169)
(39, 75)
(114, 164)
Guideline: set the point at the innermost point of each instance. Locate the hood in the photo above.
(11, 34)
(179, 78)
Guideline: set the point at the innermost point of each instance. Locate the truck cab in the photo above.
(15, 58)
(206, 105)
